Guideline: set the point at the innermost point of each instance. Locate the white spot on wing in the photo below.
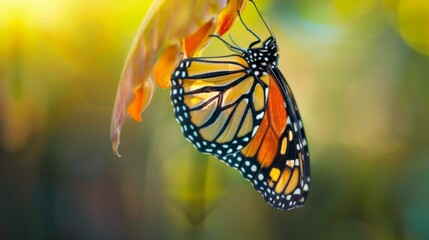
(305, 188)
(255, 129)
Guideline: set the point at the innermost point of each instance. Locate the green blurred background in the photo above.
(359, 71)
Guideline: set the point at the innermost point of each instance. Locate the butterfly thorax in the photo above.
(262, 58)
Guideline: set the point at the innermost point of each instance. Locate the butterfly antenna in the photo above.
(233, 41)
(258, 40)
(229, 45)
(263, 20)
(248, 29)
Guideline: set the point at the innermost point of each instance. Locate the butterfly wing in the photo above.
(218, 103)
(276, 160)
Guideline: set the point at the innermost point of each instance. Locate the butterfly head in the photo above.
(262, 58)
(270, 44)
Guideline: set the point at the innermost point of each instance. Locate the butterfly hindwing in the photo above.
(276, 161)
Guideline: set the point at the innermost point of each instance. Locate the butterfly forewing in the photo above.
(218, 104)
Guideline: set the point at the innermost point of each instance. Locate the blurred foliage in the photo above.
(359, 71)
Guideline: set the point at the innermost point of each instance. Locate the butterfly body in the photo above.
(240, 109)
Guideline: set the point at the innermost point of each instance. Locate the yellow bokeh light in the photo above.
(413, 18)
(33, 13)
(353, 9)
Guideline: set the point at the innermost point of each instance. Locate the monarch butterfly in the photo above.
(240, 109)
